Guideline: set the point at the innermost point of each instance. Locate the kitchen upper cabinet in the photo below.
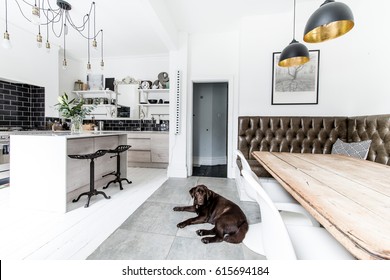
(128, 96)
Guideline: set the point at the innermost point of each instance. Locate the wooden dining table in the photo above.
(349, 197)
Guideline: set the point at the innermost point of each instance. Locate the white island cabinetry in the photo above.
(42, 175)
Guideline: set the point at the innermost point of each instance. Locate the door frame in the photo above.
(230, 112)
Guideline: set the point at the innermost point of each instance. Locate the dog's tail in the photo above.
(239, 235)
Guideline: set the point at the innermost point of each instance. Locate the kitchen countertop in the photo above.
(142, 131)
(68, 134)
(84, 134)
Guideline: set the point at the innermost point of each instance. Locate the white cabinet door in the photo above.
(128, 96)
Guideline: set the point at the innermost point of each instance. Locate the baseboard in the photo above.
(147, 164)
(197, 161)
(177, 172)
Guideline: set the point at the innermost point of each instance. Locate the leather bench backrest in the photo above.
(376, 128)
(290, 134)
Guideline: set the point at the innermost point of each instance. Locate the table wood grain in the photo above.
(348, 196)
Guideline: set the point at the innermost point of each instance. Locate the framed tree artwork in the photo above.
(295, 85)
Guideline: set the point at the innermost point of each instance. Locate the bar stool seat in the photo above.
(92, 191)
(117, 151)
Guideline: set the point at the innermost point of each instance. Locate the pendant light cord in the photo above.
(102, 43)
(47, 31)
(94, 22)
(6, 16)
(64, 41)
(294, 22)
(88, 38)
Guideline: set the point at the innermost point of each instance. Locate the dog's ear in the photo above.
(192, 192)
(209, 193)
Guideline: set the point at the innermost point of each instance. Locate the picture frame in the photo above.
(295, 85)
(95, 82)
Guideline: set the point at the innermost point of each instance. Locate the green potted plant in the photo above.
(73, 110)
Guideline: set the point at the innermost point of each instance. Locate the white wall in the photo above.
(353, 68)
(28, 64)
(178, 62)
(73, 72)
(138, 67)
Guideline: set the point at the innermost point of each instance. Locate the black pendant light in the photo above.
(331, 20)
(295, 53)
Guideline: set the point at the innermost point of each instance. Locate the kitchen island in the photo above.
(43, 177)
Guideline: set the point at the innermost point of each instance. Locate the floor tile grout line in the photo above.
(169, 251)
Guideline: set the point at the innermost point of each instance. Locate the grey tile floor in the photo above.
(151, 232)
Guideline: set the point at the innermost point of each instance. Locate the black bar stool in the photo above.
(117, 173)
(92, 191)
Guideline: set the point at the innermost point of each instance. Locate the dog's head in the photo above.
(201, 195)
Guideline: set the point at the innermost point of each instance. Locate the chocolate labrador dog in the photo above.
(229, 220)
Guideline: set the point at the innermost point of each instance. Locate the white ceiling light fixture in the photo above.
(57, 19)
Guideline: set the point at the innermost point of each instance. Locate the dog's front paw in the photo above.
(177, 208)
(181, 225)
(205, 240)
(199, 232)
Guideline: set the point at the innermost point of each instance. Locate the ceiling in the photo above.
(139, 27)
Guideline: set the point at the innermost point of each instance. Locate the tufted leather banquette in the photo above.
(311, 135)
(376, 128)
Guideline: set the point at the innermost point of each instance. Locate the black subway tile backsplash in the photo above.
(10, 86)
(127, 125)
(22, 105)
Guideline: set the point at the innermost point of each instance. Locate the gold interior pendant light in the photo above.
(295, 53)
(331, 20)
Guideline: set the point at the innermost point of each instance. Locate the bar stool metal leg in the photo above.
(117, 173)
(92, 191)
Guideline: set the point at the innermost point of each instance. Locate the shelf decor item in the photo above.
(295, 85)
(95, 82)
(163, 79)
(73, 110)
